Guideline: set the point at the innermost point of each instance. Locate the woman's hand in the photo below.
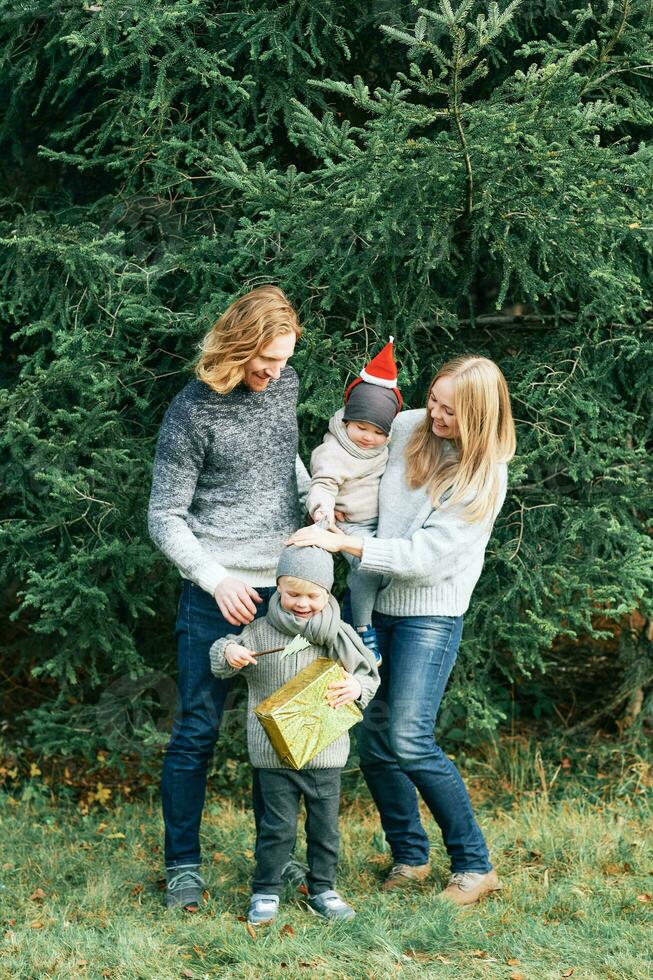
(344, 691)
(238, 657)
(333, 540)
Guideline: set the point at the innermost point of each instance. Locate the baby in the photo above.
(302, 605)
(347, 468)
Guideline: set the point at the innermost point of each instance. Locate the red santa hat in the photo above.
(381, 371)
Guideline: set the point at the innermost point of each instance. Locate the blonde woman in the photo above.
(443, 487)
(224, 498)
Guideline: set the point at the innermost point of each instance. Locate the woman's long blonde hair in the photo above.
(486, 437)
(241, 333)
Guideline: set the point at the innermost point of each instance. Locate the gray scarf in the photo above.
(338, 429)
(325, 629)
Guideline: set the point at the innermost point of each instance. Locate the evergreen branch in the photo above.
(455, 109)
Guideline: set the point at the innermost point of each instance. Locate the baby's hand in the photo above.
(237, 656)
(344, 691)
(321, 515)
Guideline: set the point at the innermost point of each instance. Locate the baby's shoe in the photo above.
(368, 636)
(262, 908)
(329, 905)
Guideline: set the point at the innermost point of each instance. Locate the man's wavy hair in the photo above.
(486, 437)
(241, 333)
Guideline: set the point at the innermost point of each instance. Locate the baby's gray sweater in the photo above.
(430, 558)
(273, 670)
(225, 493)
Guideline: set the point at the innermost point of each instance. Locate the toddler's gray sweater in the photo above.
(225, 492)
(273, 670)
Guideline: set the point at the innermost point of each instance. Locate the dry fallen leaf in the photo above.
(137, 889)
(516, 976)
(286, 930)
(480, 954)
(36, 925)
(512, 962)
(442, 959)
(117, 836)
(38, 895)
(251, 930)
(187, 973)
(219, 856)
(567, 973)
(644, 898)
(248, 854)
(105, 973)
(241, 918)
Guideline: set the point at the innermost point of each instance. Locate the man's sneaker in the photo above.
(368, 636)
(466, 887)
(184, 888)
(262, 909)
(329, 905)
(404, 875)
(294, 874)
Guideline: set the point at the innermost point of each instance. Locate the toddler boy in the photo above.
(302, 605)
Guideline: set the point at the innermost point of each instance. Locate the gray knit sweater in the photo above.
(225, 492)
(430, 558)
(273, 670)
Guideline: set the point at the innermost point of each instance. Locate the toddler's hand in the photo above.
(344, 691)
(321, 515)
(237, 656)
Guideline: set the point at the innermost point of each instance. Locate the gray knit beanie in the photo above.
(373, 404)
(310, 564)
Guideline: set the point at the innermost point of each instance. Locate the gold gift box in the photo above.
(297, 718)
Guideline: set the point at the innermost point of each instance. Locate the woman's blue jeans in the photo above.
(200, 704)
(398, 751)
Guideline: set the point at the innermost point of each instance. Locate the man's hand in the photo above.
(237, 656)
(236, 601)
(344, 691)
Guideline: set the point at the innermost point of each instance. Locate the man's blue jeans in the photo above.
(200, 703)
(397, 747)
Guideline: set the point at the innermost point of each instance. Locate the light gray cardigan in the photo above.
(430, 558)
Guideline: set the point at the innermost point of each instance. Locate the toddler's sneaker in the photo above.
(368, 636)
(262, 908)
(330, 906)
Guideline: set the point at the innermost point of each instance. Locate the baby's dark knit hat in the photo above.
(310, 564)
(369, 403)
(374, 397)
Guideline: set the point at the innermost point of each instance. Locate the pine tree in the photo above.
(470, 177)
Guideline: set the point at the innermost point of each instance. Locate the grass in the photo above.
(80, 894)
